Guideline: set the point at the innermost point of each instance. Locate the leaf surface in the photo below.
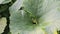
(2, 24)
(4, 1)
(46, 11)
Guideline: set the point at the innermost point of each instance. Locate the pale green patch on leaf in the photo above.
(3, 24)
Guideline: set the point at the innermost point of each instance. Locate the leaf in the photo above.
(16, 6)
(1, 1)
(2, 24)
(54, 18)
(22, 24)
(45, 12)
(3, 8)
(4, 1)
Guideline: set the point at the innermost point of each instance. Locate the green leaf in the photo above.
(45, 12)
(2, 24)
(16, 6)
(22, 24)
(1, 1)
(4, 1)
(3, 8)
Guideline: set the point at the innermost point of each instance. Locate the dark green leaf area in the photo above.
(4, 7)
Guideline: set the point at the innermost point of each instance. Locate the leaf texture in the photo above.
(2, 24)
(4, 1)
(46, 11)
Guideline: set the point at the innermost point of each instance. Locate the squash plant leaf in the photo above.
(4, 1)
(35, 17)
(16, 6)
(2, 24)
(1, 1)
